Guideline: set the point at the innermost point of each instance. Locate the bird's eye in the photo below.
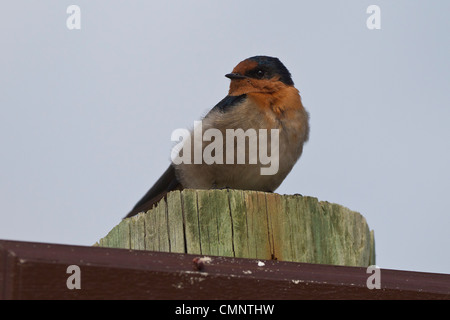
(260, 73)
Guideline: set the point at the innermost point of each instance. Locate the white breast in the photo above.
(292, 135)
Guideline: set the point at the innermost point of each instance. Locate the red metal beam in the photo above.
(39, 271)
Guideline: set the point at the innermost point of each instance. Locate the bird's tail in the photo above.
(168, 182)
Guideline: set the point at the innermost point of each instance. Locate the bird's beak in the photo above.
(233, 76)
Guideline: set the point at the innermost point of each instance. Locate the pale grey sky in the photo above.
(86, 115)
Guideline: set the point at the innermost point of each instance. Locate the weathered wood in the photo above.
(249, 224)
(175, 222)
(137, 232)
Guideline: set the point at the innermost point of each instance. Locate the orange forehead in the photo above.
(244, 66)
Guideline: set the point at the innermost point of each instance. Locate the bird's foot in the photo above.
(216, 187)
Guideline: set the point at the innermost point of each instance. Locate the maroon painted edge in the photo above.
(30, 270)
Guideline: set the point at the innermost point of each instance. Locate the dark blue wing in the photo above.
(166, 183)
(168, 180)
(228, 102)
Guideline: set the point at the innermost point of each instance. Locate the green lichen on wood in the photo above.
(249, 224)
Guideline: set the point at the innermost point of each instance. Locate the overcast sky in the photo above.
(86, 115)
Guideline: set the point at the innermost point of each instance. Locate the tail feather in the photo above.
(166, 183)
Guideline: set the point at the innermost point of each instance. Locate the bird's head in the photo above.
(259, 74)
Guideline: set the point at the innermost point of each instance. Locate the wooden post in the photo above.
(249, 224)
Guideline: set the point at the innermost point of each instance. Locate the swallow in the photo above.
(261, 96)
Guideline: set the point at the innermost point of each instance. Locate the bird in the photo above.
(261, 95)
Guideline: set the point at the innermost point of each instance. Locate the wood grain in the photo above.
(249, 224)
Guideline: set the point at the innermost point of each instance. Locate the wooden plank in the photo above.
(191, 221)
(351, 234)
(372, 248)
(240, 226)
(257, 224)
(215, 222)
(207, 224)
(288, 233)
(39, 271)
(118, 237)
(156, 228)
(303, 232)
(276, 226)
(249, 224)
(321, 242)
(224, 222)
(175, 222)
(137, 232)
